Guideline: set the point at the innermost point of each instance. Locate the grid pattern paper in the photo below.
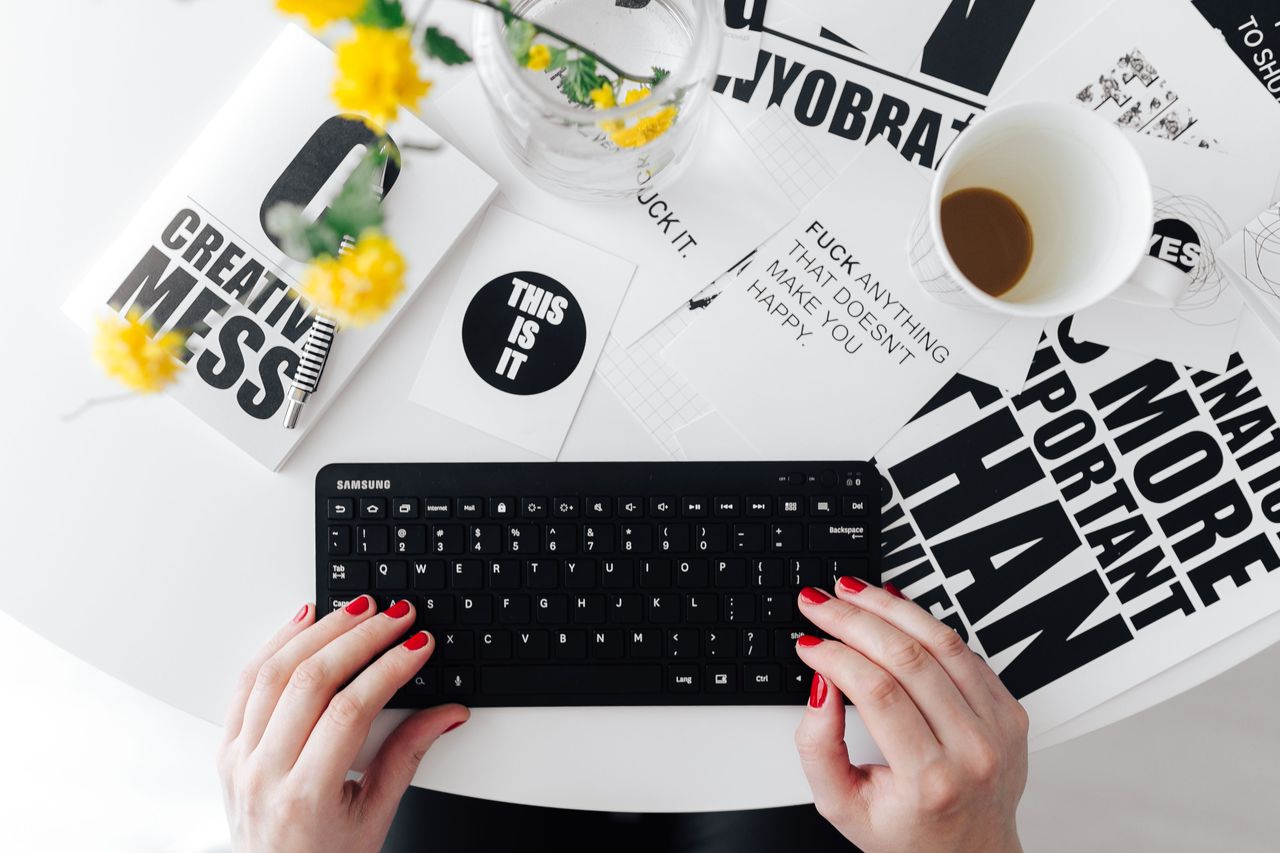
(789, 156)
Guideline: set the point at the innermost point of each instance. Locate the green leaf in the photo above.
(358, 205)
(385, 14)
(442, 47)
(580, 77)
(559, 56)
(660, 74)
(520, 38)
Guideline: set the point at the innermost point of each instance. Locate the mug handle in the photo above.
(1154, 283)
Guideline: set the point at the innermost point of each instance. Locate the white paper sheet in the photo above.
(1253, 255)
(710, 438)
(523, 330)
(724, 200)
(1202, 198)
(1003, 360)
(827, 335)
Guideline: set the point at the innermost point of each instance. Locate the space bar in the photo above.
(524, 680)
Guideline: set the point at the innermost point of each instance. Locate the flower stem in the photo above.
(568, 42)
(92, 402)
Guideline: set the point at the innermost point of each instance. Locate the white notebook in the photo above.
(197, 257)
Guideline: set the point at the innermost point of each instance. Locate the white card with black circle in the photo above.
(525, 325)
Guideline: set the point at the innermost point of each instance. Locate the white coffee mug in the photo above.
(1086, 195)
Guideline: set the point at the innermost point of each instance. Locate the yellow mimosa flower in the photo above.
(321, 13)
(357, 287)
(377, 74)
(603, 97)
(129, 350)
(539, 58)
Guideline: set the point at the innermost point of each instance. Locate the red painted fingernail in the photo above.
(398, 609)
(814, 596)
(417, 641)
(893, 590)
(301, 614)
(817, 691)
(358, 605)
(852, 584)
(454, 726)
(808, 640)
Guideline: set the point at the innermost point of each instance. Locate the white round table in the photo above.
(151, 548)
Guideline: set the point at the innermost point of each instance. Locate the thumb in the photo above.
(824, 757)
(393, 768)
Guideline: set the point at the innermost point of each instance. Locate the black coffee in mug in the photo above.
(988, 237)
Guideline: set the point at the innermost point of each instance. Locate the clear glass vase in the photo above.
(590, 153)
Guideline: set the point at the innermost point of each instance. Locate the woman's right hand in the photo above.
(954, 738)
(301, 712)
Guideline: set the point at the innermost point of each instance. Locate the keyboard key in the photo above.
(776, 608)
(843, 567)
(853, 505)
(739, 608)
(762, 677)
(673, 538)
(682, 679)
(726, 508)
(841, 536)
(427, 574)
(785, 538)
(804, 571)
(410, 539)
(560, 538)
(693, 507)
(523, 538)
(514, 609)
(748, 538)
(551, 609)
(790, 506)
(691, 574)
(630, 507)
(541, 574)
(617, 574)
(597, 538)
(466, 574)
(754, 643)
(495, 645)
(662, 609)
(599, 507)
(730, 574)
(710, 538)
(606, 645)
(341, 509)
(372, 540)
(682, 643)
(720, 678)
(436, 508)
(502, 507)
(456, 645)
(391, 574)
(447, 538)
(644, 643)
(822, 506)
(470, 508)
(759, 506)
(564, 507)
(404, 507)
(624, 609)
(475, 609)
(504, 574)
(636, 539)
(587, 680)
(662, 507)
(768, 573)
(484, 539)
(798, 678)
(700, 607)
(349, 575)
(569, 645)
(588, 609)
(339, 541)
(784, 642)
(532, 645)
(655, 574)
(425, 680)
(373, 508)
(579, 574)
(721, 643)
(458, 681)
(533, 507)
(436, 610)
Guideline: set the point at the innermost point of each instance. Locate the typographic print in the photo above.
(1186, 230)
(1134, 96)
(524, 333)
(1251, 29)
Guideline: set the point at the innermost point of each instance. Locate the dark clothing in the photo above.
(431, 822)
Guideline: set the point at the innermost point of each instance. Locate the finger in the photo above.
(276, 670)
(892, 719)
(249, 675)
(312, 687)
(939, 640)
(824, 756)
(341, 730)
(926, 682)
(1000, 694)
(393, 768)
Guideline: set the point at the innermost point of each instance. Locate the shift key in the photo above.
(837, 536)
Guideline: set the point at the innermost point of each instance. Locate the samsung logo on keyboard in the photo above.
(361, 485)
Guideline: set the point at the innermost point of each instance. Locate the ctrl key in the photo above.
(762, 678)
(459, 680)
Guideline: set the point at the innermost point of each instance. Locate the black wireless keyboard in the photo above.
(599, 583)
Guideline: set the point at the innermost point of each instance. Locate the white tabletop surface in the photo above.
(149, 547)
